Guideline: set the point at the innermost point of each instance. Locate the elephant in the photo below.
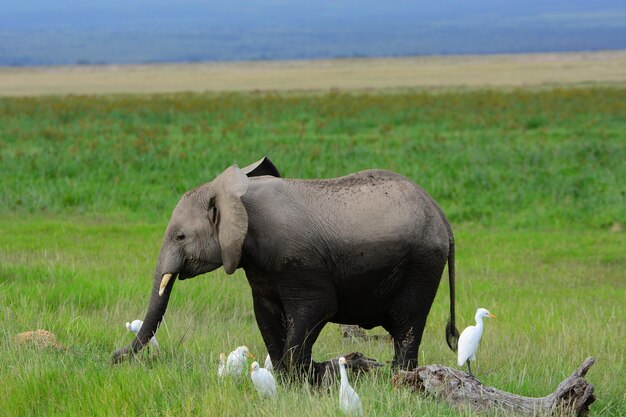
(368, 249)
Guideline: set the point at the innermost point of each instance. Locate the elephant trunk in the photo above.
(156, 309)
(158, 304)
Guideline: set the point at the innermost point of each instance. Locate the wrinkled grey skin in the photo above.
(367, 249)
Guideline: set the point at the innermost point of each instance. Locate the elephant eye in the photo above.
(180, 236)
(213, 215)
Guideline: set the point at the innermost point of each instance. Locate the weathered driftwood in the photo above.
(351, 331)
(572, 397)
(354, 332)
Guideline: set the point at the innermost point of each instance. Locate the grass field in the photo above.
(532, 181)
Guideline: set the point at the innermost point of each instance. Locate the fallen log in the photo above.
(356, 362)
(572, 397)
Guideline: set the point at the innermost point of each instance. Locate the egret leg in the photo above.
(469, 368)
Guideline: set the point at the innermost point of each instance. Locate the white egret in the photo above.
(236, 361)
(268, 363)
(349, 400)
(263, 380)
(220, 370)
(135, 326)
(470, 338)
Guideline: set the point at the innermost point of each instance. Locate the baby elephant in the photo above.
(366, 249)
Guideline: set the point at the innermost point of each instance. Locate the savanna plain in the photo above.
(532, 180)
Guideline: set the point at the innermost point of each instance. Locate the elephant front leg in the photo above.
(305, 321)
(270, 318)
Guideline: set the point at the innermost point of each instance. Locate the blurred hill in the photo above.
(57, 32)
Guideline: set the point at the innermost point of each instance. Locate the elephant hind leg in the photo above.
(405, 348)
(408, 316)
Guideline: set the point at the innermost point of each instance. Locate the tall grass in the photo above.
(554, 308)
(531, 180)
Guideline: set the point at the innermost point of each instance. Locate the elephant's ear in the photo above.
(263, 166)
(232, 226)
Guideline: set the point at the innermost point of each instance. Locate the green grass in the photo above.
(531, 180)
(520, 158)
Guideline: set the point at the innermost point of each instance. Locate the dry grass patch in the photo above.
(519, 70)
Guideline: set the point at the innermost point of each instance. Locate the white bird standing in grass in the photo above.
(222, 367)
(236, 362)
(268, 363)
(135, 326)
(263, 381)
(470, 338)
(349, 400)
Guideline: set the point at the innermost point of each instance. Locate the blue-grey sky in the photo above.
(39, 32)
(197, 13)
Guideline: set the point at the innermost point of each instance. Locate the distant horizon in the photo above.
(320, 59)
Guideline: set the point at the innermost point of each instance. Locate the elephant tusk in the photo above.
(164, 281)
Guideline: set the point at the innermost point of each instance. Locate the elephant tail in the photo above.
(452, 333)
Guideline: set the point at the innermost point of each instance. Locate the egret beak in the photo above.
(250, 355)
(164, 281)
(493, 316)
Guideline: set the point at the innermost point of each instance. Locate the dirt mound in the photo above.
(38, 338)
